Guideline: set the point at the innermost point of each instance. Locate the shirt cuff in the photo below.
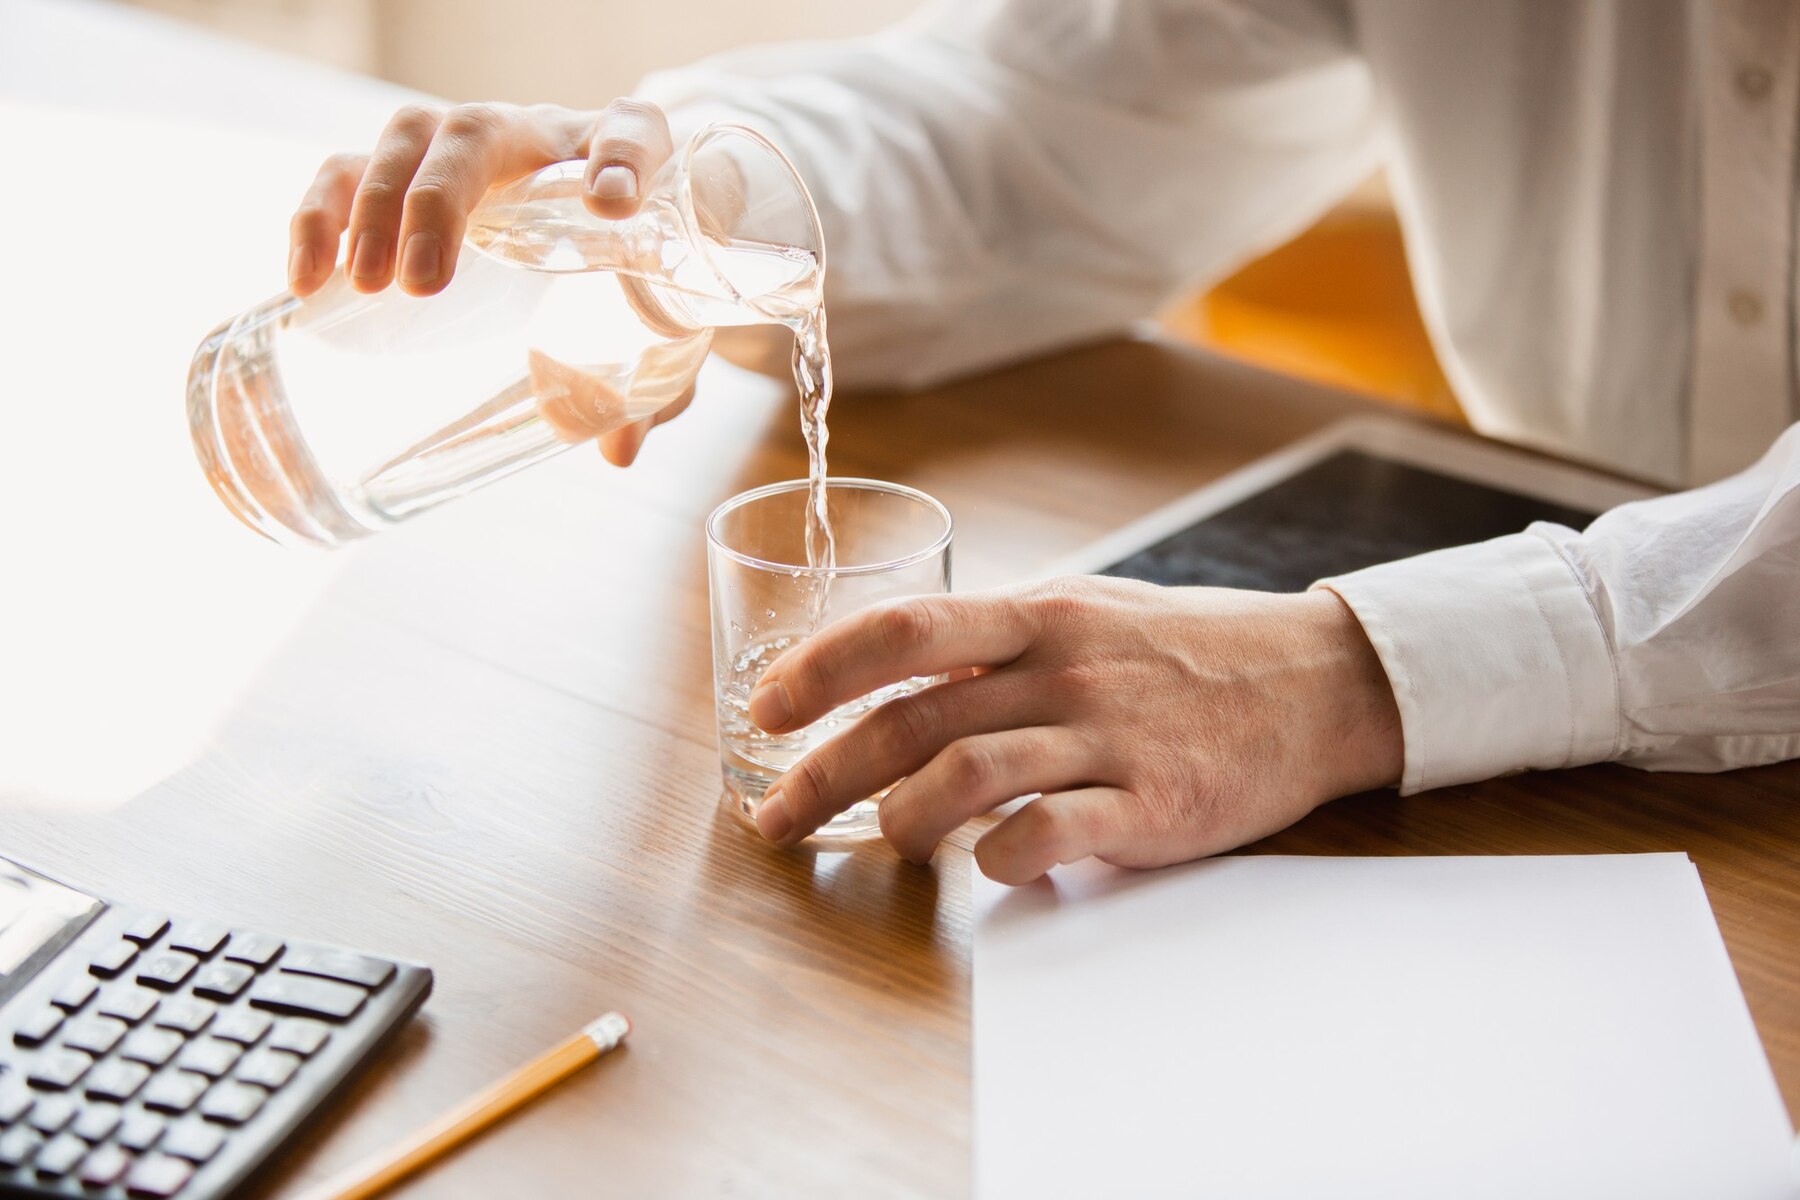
(1497, 659)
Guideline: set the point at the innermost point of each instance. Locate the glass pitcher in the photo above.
(323, 420)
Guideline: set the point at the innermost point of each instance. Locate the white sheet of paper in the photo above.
(1250, 1028)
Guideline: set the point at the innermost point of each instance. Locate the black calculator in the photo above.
(149, 1055)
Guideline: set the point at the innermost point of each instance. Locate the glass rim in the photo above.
(731, 129)
(847, 482)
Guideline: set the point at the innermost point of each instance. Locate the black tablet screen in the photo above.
(1345, 512)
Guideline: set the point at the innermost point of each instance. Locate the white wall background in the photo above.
(584, 52)
(575, 52)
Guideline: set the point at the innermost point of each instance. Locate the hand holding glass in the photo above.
(892, 542)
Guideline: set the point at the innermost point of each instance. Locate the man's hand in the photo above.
(1159, 724)
(405, 203)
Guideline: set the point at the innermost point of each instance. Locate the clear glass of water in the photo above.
(891, 541)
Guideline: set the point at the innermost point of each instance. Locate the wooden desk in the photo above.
(486, 741)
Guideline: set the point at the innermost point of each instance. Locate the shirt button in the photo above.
(1745, 305)
(1753, 82)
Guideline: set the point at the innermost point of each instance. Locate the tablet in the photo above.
(1364, 491)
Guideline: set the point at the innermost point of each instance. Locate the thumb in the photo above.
(620, 447)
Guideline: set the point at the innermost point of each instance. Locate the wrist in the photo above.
(1360, 739)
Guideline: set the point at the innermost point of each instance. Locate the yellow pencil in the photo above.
(383, 1170)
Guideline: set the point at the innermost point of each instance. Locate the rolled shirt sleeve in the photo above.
(1666, 635)
(1001, 177)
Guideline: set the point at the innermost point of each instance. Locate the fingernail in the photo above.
(370, 254)
(773, 820)
(615, 183)
(422, 259)
(300, 264)
(770, 707)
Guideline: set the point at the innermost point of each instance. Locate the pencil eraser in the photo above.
(609, 1029)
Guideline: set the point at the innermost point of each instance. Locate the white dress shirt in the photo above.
(1599, 207)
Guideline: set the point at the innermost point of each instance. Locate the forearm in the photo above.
(998, 180)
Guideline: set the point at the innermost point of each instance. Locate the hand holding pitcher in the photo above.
(525, 323)
(405, 204)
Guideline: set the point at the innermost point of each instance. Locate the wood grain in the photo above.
(485, 741)
(489, 746)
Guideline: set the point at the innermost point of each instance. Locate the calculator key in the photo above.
(300, 1037)
(175, 1091)
(58, 1069)
(15, 1102)
(95, 1122)
(198, 937)
(18, 1144)
(147, 928)
(117, 1080)
(157, 1176)
(75, 993)
(307, 996)
(113, 959)
(141, 1130)
(61, 1155)
(95, 1034)
(193, 1141)
(232, 1103)
(245, 1026)
(52, 1113)
(268, 1068)
(257, 949)
(359, 969)
(104, 1167)
(209, 1057)
(129, 1004)
(222, 980)
(38, 1026)
(152, 1046)
(185, 1014)
(167, 971)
